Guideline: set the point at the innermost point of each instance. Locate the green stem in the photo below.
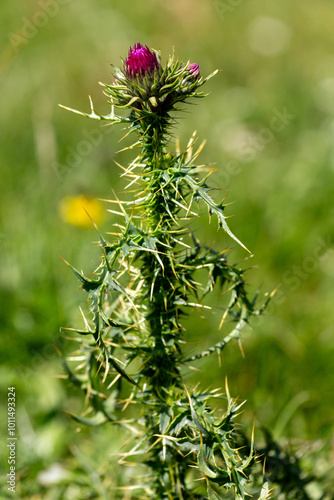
(161, 367)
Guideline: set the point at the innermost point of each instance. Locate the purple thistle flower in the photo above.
(140, 61)
(194, 70)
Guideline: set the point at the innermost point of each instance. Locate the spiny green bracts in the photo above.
(133, 350)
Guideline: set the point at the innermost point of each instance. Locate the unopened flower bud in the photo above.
(194, 70)
(140, 61)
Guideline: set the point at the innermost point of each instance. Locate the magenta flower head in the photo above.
(140, 61)
(194, 70)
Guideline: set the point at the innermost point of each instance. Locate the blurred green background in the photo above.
(269, 125)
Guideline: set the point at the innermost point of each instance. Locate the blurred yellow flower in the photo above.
(74, 209)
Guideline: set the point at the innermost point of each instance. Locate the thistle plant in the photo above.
(133, 353)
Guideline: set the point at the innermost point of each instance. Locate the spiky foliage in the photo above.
(133, 353)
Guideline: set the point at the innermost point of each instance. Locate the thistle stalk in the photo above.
(134, 344)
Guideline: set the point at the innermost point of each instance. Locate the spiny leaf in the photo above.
(265, 492)
(98, 419)
(195, 418)
(111, 117)
(120, 370)
(212, 494)
(87, 284)
(203, 466)
(234, 334)
(200, 192)
(164, 419)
